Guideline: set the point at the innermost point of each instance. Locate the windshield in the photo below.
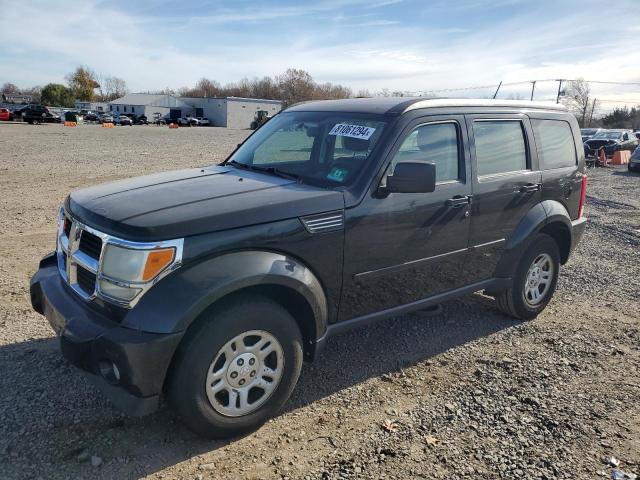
(321, 148)
(609, 135)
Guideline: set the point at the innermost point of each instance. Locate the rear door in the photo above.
(507, 183)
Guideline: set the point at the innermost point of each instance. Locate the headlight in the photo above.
(128, 271)
(133, 265)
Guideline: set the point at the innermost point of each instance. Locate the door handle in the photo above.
(530, 187)
(458, 201)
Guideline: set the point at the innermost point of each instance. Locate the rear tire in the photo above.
(534, 281)
(217, 385)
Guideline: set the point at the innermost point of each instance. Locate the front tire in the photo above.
(534, 281)
(236, 368)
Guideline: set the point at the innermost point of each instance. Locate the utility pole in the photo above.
(593, 107)
(499, 85)
(533, 88)
(559, 90)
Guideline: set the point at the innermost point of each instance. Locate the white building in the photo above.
(149, 105)
(232, 112)
(92, 106)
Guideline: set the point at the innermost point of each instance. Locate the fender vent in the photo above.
(326, 222)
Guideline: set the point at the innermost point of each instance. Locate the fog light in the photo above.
(117, 292)
(109, 371)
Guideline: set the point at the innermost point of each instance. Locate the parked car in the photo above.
(6, 115)
(123, 120)
(106, 118)
(141, 120)
(204, 121)
(172, 283)
(612, 141)
(634, 161)
(588, 133)
(91, 117)
(188, 122)
(35, 114)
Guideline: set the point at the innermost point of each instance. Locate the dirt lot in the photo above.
(466, 393)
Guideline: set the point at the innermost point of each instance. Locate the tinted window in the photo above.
(323, 148)
(500, 146)
(555, 143)
(286, 145)
(435, 143)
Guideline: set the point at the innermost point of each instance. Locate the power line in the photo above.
(527, 82)
(622, 100)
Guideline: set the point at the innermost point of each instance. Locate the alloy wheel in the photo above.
(245, 373)
(538, 280)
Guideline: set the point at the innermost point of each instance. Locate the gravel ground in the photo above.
(467, 393)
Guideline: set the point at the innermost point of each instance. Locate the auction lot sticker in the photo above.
(353, 131)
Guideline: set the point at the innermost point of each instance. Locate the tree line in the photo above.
(292, 86)
(82, 84)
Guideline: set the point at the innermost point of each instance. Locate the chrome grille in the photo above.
(91, 245)
(79, 253)
(326, 222)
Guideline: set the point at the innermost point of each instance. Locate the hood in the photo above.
(190, 202)
(601, 141)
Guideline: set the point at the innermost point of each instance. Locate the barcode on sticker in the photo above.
(353, 131)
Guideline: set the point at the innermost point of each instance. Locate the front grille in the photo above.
(596, 144)
(86, 280)
(90, 244)
(67, 226)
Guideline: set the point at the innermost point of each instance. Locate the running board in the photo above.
(494, 284)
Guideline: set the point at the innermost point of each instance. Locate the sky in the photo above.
(407, 45)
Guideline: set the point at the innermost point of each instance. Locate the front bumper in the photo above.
(94, 342)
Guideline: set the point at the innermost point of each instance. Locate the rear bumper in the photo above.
(95, 343)
(577, 231)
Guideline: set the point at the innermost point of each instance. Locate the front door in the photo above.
(507, 183)
(403, 247)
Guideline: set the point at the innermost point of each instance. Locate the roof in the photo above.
(399, 105)
(150, 99)
(235, 99)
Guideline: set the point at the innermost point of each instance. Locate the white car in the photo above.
(186, 121)
(204, 121)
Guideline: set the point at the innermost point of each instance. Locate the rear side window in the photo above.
(435, 143)
(500, 146)
(555, 143)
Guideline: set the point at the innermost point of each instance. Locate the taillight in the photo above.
(583, 196)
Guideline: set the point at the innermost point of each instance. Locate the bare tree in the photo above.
(295, 86)
(578, 99)
(364, 93)
(10, 89)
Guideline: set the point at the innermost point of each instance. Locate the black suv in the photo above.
(212, 285)
(36, 114)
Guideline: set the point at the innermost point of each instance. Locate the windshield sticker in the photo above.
(353, 131)
(338, 174)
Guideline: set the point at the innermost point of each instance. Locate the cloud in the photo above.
(409, 45)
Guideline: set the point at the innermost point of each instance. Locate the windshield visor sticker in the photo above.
(353, 131)
(338, 174)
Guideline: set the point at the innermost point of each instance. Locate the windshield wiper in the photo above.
(270, 170)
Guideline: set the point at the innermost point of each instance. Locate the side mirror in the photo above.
(412, 177)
